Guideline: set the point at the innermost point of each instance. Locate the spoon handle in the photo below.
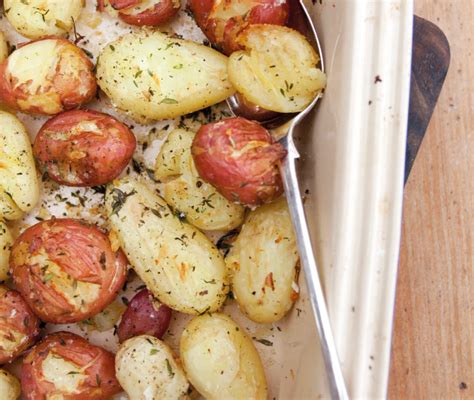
(290, 181)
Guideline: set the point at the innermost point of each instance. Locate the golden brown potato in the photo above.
(9, 386)
(152, 76)
(6, 241)
(264, 264)
(277, 69)
(3, 47)
(178, 263)
(184, 190)
(220, 360)
(39, 18)
(146, 369)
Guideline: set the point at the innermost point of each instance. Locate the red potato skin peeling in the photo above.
(99, 366)
(77, 157)
(142, 318)
(16, 315)
(61, 83)
(82, 252)
(240, 158)
(223, 32)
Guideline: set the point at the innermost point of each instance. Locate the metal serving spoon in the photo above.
(301, 20)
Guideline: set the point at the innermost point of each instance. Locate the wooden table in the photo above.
(433, 343)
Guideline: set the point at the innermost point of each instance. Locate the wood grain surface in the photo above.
(433, 343)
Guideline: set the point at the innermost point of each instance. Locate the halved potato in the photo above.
(3, 47)
(39, 18)
(6, 241)
(184, 190)
(152, 76)
(277, 69)
(9, 386)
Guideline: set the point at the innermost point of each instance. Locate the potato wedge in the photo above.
(146, 369)
(184, 190)
(152, 76)
(9, 386)
(18, 180)
(3, 47)
(220, 360)
(39, 18)
(264, 263)
(277, 69)
(6, 241)
(177, 262)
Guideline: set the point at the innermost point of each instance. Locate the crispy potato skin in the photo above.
(240, 159)
(144, 316)
(84, 148)
(66, 269)
(19, 326)
(223, 20)
(3, 47)
(28, 85)
(183, 188)
(70, 367)
(265, 264)
(220, 360)
(9, 386)
(147, 369)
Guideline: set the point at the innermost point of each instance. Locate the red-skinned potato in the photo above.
(19, 327)
(240, 158)
(84, 148)
(46, 77)
(223, 20)
(144, 316)
(66, 366)
(66, 270)
(141, 12)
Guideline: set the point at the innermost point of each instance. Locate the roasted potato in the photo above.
(141, 12)
(203, 206)
(178, 263)
(152, 76)
(84, 148)
(66, 269)
(3, 47)
(264, 262)
(240, 159)
(9, 386)
(146, 368)
(222, 21)
(220, 360)
(47, 76)
(19, 326)
(277, 68)
(19, 187)
(6, 241)
(144, 316)
(66, 366)
(39, 18)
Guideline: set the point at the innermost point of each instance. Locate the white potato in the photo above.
(146, 369)
(264, 264)
(6, 241)
(152, 76)
(18, 180)
(40, 18)
(9, 386)
(220, 360)
(3, 47)
(184, 190)
(277, 69)
(177, 262)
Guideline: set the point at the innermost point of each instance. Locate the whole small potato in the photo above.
(144, 316)
(9, 386)
(239, 158)
(3, 47)
(66, 366)
(264, 262)
(39, 18)
(146, 368)
(6, 241)
(141, 12)
(66, 269)
(222, 21)
(47, 76)
(183, 188)
(84, 148)
(220, 360)
(19, 326)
